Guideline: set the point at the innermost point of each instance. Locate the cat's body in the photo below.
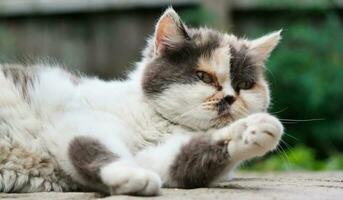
(179, 120)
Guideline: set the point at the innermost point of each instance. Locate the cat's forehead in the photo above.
(217, 59)
(228, 60)
(217, 63)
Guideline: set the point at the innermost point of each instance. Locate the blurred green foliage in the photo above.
(306, 78)
(197, 16)
(293, 4)
(298, 158)
(306, 75)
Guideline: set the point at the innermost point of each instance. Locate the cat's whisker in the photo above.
(240, 110)
(280, 111)
(289, 135)
(270, 72)
(289, 122)
(301, 120)
(251, 65)
(284, 155)
(289, 148)
(209, 103)
(243, 110)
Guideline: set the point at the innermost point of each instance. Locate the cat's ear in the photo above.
(169, 31)
(262, 47)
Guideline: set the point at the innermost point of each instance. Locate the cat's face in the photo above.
(201, 78)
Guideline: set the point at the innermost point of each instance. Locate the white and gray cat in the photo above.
(191, 111)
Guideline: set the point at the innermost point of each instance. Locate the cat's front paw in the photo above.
(126, 179)
(254, 136)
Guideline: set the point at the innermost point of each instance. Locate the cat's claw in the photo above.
(254, 136)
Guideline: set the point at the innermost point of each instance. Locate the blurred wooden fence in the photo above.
(100, 37)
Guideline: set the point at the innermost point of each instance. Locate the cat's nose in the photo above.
(229, 99)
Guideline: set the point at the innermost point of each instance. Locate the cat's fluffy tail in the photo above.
(25, 165)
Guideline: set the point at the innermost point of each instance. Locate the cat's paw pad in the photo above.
(262, 130)
(123, 179)
(259, 134)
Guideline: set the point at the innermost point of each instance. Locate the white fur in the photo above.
(126, 178)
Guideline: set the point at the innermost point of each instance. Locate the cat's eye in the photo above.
(245, 85)
(205, 77)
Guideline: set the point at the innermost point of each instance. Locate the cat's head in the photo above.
(202, 78)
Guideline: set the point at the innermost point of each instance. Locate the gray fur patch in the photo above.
(88, 155)
(242, 67)
(22, 77)
(178, 63)
(200, 162)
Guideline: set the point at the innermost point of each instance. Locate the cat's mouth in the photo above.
(223, 118)
(223, 108)
(225, 113)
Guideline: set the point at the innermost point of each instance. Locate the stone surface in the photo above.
(254, 186)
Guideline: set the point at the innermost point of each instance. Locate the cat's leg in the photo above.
(252, 136)
(91, 148)
(196, 161)
(115, 172)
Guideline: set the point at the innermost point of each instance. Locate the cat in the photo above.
(193, 109)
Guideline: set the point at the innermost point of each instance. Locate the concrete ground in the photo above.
(247, 186)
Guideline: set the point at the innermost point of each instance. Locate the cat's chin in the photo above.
(225, 119)
(225, 114)
(222, 120)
